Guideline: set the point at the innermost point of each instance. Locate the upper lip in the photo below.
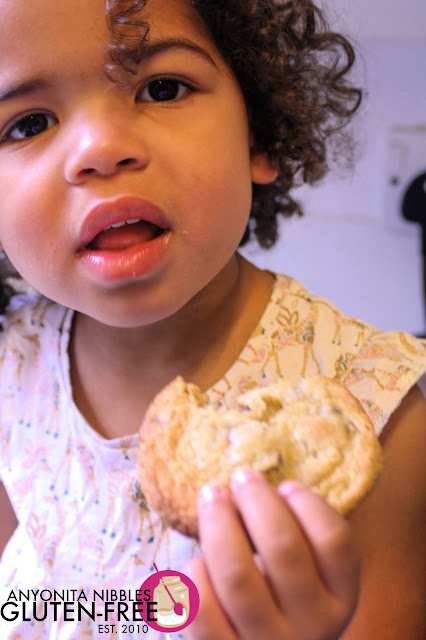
(109, 212)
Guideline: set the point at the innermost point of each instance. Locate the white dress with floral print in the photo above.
(83, 522)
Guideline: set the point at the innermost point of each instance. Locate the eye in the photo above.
(30, 126)
(163, 90)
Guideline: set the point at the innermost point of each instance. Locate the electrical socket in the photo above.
(405, 160)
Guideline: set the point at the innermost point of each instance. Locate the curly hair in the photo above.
(292, 71)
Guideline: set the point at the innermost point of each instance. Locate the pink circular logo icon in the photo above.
(173, 600)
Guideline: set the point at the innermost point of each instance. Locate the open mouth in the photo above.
(122, 235)
(123, 239)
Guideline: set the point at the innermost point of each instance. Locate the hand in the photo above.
(275, 565)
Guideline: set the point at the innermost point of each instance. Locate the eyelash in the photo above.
(164, 80)
(161, 84)
(49, 119)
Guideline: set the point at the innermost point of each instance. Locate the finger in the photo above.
(285, 552)
(211, 622)
(333, 543)
(239, 586)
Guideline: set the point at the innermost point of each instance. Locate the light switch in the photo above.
(405, 161)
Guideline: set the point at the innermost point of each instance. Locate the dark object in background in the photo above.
(414, 210)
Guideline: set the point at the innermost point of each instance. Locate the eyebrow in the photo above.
(23, 89)
(150, 49)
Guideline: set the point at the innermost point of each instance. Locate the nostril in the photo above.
(105, 164)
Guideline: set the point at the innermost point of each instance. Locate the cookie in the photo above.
(314, 431)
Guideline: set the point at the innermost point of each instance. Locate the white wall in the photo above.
(364, 19)
(352, 246)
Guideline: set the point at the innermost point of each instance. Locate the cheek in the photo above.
(217, 210)
(219, 188)
(28, 192)
(28, 230)
(212, 159)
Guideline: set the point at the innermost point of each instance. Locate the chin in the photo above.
(131, 314)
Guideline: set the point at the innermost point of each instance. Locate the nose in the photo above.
(102, 145)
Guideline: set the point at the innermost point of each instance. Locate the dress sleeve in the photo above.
(382, 372)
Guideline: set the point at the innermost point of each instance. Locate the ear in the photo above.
(263, 170)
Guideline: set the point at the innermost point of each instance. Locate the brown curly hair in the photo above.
(292, 71)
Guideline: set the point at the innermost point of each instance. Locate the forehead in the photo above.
(27, 23)
(39, 32)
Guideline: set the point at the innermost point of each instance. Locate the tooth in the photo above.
(121, 224)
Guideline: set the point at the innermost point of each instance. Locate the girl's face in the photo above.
(79, 153)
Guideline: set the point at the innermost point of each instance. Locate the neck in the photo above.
(200, 342)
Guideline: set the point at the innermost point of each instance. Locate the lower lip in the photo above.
(126, 264)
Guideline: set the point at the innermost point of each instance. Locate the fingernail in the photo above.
(288, 487)
(243, 476)
(212, 493)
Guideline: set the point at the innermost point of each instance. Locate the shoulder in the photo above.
(29, 318)
(33, 350)
(314, 319)
(312, 336)
(30, 342)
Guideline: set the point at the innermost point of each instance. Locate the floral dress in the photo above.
(84, 526)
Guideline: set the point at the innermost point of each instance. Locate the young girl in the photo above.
(137, 149)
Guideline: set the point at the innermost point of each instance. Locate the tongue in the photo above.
(123, 237)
